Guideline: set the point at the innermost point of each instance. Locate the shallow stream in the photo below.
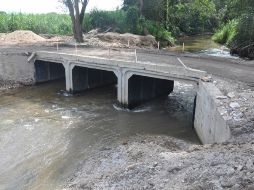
(45, 132)
(202, 44)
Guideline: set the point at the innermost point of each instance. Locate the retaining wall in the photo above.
(209, 122)
(14, 67)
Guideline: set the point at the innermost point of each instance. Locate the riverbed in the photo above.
(45, 133)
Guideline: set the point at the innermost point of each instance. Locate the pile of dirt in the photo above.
(22, 36)
(112, 39)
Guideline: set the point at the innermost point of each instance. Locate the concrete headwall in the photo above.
(15, 67)
(209, 122)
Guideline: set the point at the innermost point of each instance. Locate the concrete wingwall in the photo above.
(15, 67)
(209, 122)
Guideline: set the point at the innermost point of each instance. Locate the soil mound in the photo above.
(112, 39)
(23, 36)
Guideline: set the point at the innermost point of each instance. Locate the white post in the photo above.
(159, 45)
(128, 43)
(57, 46)
(183, 47)
(136, 57)
(76, 48)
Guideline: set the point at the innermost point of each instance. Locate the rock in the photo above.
(237, 115)
(155, 164)
(236, 187)
(227, 183)
(221, 97)
(239, 168)
(249, 165)
(243, 99)
(206, 79)
(231, 94)
(234, 105)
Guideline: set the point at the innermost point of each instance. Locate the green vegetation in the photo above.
(116, 20)
(237, 31)
(51, 23)
(227, 33)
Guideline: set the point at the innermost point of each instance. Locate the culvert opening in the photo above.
(142, 89)
(48, 71)
(84, 78)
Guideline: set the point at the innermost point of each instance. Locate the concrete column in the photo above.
(68, 77)
(119, 85)
(141, 89)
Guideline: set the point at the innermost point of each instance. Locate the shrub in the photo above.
(157, 30)
(226, 34)
(108, 19)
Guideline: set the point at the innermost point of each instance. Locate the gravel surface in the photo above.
(159, 162)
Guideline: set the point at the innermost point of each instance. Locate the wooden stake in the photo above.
(136, 57)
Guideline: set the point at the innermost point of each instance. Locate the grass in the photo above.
(50, 23)
(227, 33)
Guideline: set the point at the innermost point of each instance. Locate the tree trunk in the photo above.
(77, 17)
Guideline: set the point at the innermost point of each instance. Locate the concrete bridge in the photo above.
(136, 81)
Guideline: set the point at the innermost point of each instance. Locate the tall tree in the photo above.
(77, 10)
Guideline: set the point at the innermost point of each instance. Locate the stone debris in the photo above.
(158, 167)
(206, 79)
(221, 97)
(231, 95)
(238, 110)
(234, 105)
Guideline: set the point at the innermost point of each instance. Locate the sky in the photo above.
(45, 6)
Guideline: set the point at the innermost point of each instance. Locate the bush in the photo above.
(133, 20)
(243, 41)
(108, 19)
(157, 30)
(227, 33)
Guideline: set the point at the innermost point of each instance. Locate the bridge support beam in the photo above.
(142, 89)
(86, 78)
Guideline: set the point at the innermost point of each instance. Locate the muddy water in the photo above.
(45, 133)
(202, 44)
